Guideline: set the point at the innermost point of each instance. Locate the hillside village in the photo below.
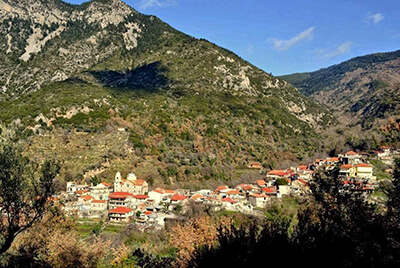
(130, 199)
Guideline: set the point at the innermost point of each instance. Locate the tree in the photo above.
(25, 191)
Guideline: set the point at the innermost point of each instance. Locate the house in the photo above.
(246, 188)
(385, 150)
(270, 191)
(198, 198)
(108, 185)
(213, 203)
(228, 203)
(351, 157)
(256, 165)
(98, 205)
(120, 214)
(347, 170)
(131, 184)
(119, 199)
(138, 199)
(332, 160)
(72, 187)
(303, 172)
(280, 174)
(80, 192)
(301, 168)
(284, 189)
(85, 198)
(178, 199)
(221, 188)
(300, 187)
(259, 200)
(364, 171)
(379, 153)
(100, 191)
(233, 194)
(157, 195)
(261, 183)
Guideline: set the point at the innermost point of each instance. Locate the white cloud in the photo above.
(157, 3)
(286, 44)
(340, 50)
(375, 18)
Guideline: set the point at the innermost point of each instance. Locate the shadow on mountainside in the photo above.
(149, 77)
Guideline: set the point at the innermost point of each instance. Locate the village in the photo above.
(130, 199)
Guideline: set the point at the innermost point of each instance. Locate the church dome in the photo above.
(131, 177)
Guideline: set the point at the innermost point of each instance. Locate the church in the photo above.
(130, 185)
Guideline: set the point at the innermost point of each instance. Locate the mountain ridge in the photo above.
(186, 104)
(363, 88)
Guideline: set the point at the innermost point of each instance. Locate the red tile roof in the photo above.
(260, 182)
(122, 195)
(256, 165)
(348, 166)
(86, 197)
(169, 191)
(247, 187)
(269, 190)
(351, 153)
(106, 184)
(141, 196)
(81, 191)
(232, 192)
(159, 190)
(177, 197)
(364, 165)
(148, 213)
(220, 188)
(99, 201)
(303, 181)
(139, 182)
(302, 167)
(197, 196)
(120, 210)
(278, 172)
(230, 200)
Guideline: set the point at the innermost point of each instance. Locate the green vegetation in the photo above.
(188, 134)
(362, 90)
(326, 78)
(380, 169)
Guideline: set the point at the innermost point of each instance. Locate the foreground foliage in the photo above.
(25, 190)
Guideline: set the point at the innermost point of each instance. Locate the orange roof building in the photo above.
(120, 210)
(256, 165)
(177, 198)
(119, 195)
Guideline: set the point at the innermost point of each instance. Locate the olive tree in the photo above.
(25, 191)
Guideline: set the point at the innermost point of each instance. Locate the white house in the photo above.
(98, 206)
(259, 200)
(119, 199)
(347, 170)
(100, 192)
(72, 187)
(120, 214)
(364, 171)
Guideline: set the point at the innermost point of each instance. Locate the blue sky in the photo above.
(285, 36)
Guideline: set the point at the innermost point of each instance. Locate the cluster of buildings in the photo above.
(130, 198)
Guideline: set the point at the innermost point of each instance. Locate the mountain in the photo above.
(365, 89)
(102, 87)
